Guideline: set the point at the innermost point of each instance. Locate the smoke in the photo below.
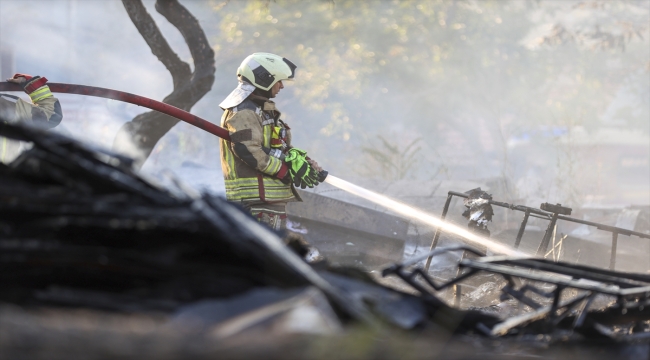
(514, 91)
(95, 43)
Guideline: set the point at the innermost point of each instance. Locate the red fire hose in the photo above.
(140, 101)
(132, 99)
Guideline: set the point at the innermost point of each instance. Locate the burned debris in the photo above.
(479, 211)
(542, 296)
(79, 229)
(550, 216)
(560, 296)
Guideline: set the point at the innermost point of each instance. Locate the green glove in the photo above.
(300, 172)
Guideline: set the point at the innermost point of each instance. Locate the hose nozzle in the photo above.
(322, 175)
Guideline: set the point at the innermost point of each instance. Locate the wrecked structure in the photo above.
(82, 230)
(530, 280)
(553, 241)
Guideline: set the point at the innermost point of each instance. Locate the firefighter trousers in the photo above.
(273, 215)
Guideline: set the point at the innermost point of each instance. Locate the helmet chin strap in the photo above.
(264, 93)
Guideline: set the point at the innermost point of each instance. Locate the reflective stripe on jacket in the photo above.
(45, 111)
(250, 173)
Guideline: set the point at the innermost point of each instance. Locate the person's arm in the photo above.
(45, 109)
(246, 140)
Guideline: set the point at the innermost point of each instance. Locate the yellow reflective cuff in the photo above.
(41, 93)
(273, 167)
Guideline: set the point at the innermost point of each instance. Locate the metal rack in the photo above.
(558, 213)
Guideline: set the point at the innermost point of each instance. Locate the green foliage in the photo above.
(462, 72)
(388, 161)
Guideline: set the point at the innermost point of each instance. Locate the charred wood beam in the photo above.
(539, 314)
(138, 137)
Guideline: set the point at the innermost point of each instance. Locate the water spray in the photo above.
(203, 124)
(422, 216)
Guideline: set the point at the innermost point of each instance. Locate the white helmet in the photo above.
(264, 70)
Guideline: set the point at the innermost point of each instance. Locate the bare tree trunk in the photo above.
(138, 137)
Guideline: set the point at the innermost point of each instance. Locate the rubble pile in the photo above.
(558, 298)
(79, 229)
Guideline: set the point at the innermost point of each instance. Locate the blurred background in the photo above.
(548, 99)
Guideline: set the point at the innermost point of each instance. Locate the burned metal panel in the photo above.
(337, 213)
(349, 234)
(343, 246)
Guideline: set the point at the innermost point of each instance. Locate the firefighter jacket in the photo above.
(44, 111)
(252, 162)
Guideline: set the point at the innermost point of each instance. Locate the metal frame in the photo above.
(632, 291)
(541, 214)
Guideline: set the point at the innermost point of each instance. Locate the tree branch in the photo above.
(151, 34)
(191, 31)
(138, 137)
(200, 48)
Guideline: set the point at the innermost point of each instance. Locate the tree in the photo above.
(138, 137)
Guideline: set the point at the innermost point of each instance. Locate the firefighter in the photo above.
(261, 168)
(45, 111)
